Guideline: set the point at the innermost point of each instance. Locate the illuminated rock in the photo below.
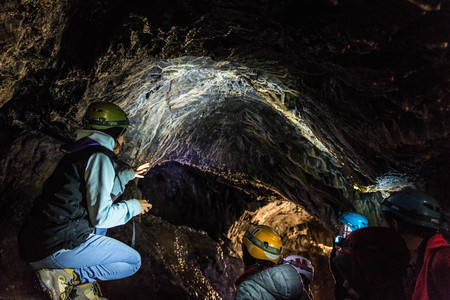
(243, 108)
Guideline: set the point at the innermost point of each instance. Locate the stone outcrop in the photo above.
(248, 111)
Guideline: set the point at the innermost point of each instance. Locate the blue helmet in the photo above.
(414, 207)
(353, 220)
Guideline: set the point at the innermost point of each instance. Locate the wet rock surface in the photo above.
(243, 108)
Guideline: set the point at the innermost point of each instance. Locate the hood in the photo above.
(87, 138)
(436, 241)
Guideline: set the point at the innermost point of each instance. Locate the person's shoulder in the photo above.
(280, 280)
(285, 268)
(441, 253)
(437, 241)
(101, 157)
(277, 269)
(281, 275)
(99, 152)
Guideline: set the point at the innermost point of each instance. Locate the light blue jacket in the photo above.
(281, 282)
(102, 183)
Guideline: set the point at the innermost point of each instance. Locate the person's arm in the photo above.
(100, 176)
(120, 180)
(124, 176)
(439, 272)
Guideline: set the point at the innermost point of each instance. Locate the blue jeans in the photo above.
(100, 258)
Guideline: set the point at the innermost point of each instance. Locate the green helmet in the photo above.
(104, 115)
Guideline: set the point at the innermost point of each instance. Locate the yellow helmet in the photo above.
(263, 243)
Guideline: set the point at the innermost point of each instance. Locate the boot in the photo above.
(58, 283)
(87, 291)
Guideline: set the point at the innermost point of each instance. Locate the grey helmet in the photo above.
(414, 207)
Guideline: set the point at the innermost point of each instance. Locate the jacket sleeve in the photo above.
(100, 177)
(440, 274)
(120, 180)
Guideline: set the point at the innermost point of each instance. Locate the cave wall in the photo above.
(330, 105)
(374, 87)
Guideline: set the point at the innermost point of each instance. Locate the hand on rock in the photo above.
(140, 171)
(145, 206)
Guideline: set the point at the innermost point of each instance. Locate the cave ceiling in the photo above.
(327, 104)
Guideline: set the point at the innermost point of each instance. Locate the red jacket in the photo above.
(433, 282)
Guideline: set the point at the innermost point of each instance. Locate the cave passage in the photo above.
(228, 150)
(277, 113)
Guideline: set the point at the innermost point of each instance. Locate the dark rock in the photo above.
(240, 107)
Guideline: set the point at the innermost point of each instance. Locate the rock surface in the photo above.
(248, 111)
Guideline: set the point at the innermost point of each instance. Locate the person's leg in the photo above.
(99, 258)
(100, 231)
